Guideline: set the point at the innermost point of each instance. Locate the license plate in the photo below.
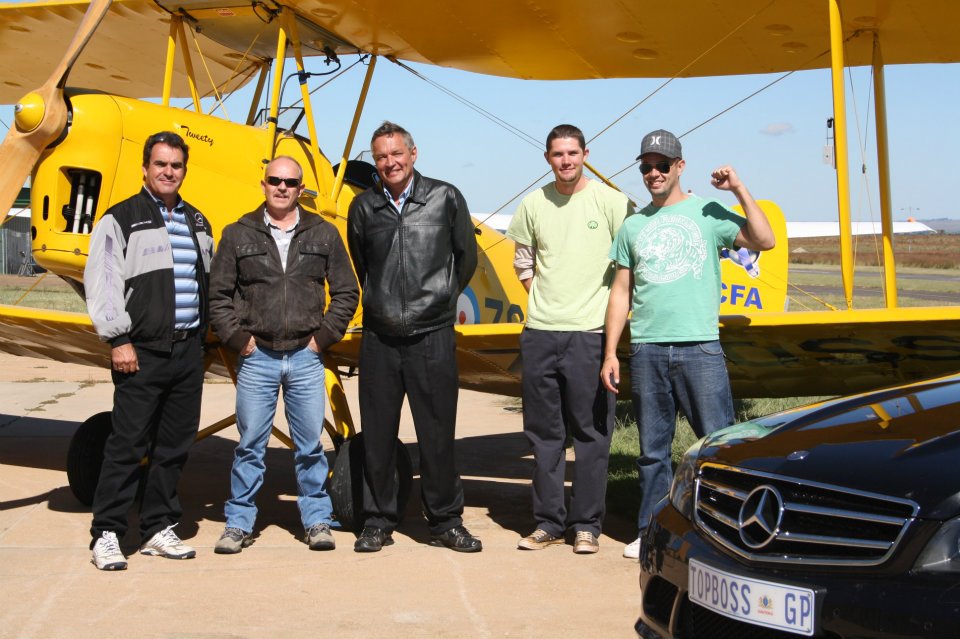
(761, 603)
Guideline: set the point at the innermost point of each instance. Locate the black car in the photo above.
(839, 519)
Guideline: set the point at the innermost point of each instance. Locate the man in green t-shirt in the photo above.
(667, 256)
(563, 233)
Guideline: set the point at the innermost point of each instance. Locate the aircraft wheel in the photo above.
(85, 456)
(346, 485)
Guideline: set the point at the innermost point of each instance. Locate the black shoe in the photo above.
(372, 539)
(457, 538)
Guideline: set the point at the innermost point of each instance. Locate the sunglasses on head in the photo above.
(292, 183)
(662, 167)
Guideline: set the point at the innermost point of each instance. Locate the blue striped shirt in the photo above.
(186, 287)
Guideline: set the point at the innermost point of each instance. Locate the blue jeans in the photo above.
(300, 373)
(665, 377)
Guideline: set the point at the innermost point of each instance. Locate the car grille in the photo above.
(778, 519)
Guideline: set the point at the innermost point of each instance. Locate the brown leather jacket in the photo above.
(251, 294)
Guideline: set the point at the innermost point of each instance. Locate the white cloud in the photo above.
(778, 128)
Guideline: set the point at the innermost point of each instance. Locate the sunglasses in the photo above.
(662, 167)
(292, 183)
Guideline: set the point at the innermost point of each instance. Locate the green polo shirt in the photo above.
(572, 235)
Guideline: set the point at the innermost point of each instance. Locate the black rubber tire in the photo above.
(85, 456)
(346, 485)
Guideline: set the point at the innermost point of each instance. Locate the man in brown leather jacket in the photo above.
(267, 303)
(414, 249)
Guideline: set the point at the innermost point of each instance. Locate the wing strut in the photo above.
(275, 86)
(883, 172)
(290, 25)
(188, 65)
(348, 145)
(171, 56)
(840, 140)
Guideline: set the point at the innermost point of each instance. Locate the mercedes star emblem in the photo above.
(760, 516)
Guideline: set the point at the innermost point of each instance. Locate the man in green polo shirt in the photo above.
(563, 233)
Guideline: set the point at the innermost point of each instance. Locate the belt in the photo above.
(179, 336)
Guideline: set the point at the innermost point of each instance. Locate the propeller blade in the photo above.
(91, 20)
(17, 157)
(22, 148)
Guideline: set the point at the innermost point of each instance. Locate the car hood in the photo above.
(903, 442)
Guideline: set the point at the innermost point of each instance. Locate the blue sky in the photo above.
(775, 140)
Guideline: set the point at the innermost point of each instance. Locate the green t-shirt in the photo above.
(674, 255)
(572, 235)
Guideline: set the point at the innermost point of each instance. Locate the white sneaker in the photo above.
(166, 544)
(106, 553)
(632, 550)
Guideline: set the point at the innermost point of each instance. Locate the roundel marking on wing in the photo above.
(468, 311)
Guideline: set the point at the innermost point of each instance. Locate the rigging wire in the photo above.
(336, 75)
(526, 137)
(236, 73)
(522, 135)
(684, 69)
(864, 179)
(206, 68)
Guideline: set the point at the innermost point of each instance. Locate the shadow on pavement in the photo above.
(496, 469)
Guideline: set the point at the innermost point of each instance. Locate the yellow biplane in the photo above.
(81, 142)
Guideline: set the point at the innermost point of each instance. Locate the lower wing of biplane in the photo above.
(768, 354)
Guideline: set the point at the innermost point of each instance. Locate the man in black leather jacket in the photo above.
(414, 250)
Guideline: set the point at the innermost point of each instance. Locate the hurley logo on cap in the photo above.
(662, 142)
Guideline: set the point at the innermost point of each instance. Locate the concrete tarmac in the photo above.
(277, 587)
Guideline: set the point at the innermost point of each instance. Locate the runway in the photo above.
(277, 587)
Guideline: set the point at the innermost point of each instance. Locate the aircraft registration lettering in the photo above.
(848, 346)
(741, 295)
(514, 312)
(950, 347)
(846, 351)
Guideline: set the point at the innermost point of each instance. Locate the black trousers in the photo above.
(562, 393)
(424, 369)
(156, 411)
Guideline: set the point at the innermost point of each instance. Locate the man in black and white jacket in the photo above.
(146, 283)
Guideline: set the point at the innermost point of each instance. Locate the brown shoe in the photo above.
(586, 543)
(538, 540)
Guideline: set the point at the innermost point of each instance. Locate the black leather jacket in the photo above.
(412, 267)
(251, 294)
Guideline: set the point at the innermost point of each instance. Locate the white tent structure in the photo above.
(795, 230)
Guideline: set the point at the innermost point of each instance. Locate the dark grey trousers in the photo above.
(562, 393)
(424, 368)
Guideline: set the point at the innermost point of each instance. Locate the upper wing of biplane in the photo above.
(124, 58)
(573, 39)
(544, 39)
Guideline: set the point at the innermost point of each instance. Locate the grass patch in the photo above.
(55, 300)
(915, 287)
(939, 251)
(623, 496)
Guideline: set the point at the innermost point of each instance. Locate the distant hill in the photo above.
(943, 225)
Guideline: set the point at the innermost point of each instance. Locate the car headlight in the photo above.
(681, 489)
(942, 553)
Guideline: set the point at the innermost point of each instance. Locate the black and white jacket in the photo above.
(128, 280)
